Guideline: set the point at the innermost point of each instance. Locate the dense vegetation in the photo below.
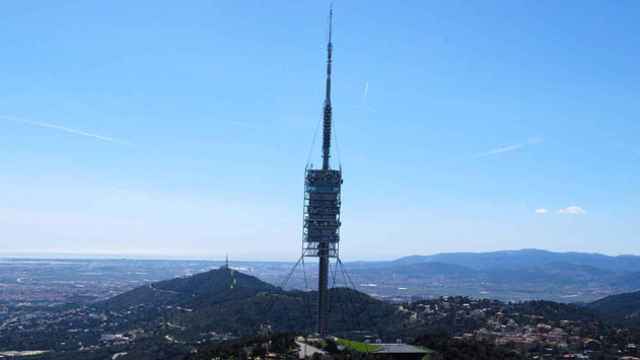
(623, 309)
(227, 301)
(249, 347)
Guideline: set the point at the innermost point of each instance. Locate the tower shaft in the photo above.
(323, 290)
(323, 246)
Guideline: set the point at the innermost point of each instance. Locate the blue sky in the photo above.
(183, 129)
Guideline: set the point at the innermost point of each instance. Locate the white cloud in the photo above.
(510, 148)
(541, 211)
(572, 210)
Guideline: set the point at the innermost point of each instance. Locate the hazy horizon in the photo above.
(222, 258)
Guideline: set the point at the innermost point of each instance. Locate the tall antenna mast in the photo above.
(322, 188)
(326, 128)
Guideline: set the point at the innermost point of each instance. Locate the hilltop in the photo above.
(208, 288)
(225, 300)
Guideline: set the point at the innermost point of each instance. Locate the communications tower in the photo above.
(321, 225)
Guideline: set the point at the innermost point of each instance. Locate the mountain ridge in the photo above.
(510, 275)
(518, 258)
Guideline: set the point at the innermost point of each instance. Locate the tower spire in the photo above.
(326, 128)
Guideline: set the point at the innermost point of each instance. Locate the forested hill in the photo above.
(622, 308)
(211, 287)
(225, 300)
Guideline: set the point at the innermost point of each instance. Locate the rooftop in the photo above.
(398, 348)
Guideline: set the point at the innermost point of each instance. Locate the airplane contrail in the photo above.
(48, 125)
(501, 150)
(366, 91)
(509, 148)
(365, 98)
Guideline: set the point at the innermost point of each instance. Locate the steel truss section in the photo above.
(321, 225)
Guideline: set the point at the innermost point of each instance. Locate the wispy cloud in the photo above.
(364, 100)
(541, 211)
(509, 148)
(366, 92)
(572, 210)
(68, 130)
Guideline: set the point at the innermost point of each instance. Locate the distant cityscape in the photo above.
(562, 277)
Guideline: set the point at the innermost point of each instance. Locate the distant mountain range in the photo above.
(528, 258)
(507, 275)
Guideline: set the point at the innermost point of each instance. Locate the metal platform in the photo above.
(321, 211)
